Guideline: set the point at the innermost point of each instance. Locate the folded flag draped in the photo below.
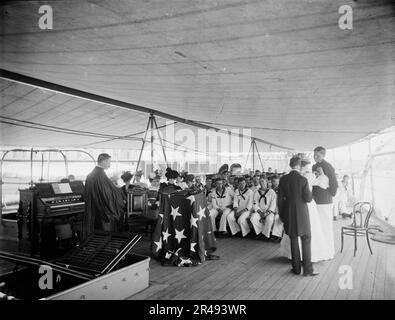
(183, 234)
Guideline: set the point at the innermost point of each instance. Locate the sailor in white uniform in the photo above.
(242, 206)
(265, 218)
(222, 203)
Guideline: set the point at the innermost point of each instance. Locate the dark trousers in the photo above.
(306, 254)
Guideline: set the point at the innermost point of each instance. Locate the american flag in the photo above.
(183, 235)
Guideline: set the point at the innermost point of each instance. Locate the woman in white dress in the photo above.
(319, 250)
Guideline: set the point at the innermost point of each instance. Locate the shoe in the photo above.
(212, 257)
(275, 239)
(311, 274)
(295, 272)
(264, 238)
(258, 237)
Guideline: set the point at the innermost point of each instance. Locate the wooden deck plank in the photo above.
(347, 259)
(267, 279)
(294, 287)
(389, 290)
(222, 278)
(260, 281)
(332, 275)
(379, 272)
(228, 264)
(368, 279)
(355, 264)
(331, 268)
(359, 272)
(187, 277)
(246, 282)
(170, 274)
(252, 269)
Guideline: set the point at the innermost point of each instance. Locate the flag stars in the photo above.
(191, 198)
(166, 234)
(158, 245)
(193, 221)
(192, 249)
(175, 213)
(201, 213)
(180, 235)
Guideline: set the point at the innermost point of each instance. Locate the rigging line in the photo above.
(18, 98)
(127, 136)
(118, 103)
(57, 131)
(190, 149)
(6, 87)
(157, 144)
(286, 129)
(60, 128)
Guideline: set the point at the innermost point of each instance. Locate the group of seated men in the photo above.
(240, 205)
(246, 206)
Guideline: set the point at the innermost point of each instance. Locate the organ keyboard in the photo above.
(50, 216)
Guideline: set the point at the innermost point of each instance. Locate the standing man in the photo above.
(293, 196)
(104, 202)
(324, 198)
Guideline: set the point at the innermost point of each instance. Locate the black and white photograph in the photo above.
(203, 153)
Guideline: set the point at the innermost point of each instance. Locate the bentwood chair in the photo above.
(362, 212)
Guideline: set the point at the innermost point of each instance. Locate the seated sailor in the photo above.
(208, 187)
(242, 205)
(265, 219)
(222, 203)
(255, 183)
(275, 181)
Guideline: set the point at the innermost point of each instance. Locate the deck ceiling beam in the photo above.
(13, 76)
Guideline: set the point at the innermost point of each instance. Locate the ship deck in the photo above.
(254, 269)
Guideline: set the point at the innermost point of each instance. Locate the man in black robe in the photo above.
(104, 202)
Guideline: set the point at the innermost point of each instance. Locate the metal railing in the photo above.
(32, 153)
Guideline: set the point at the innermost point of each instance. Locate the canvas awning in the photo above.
(282, 68)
